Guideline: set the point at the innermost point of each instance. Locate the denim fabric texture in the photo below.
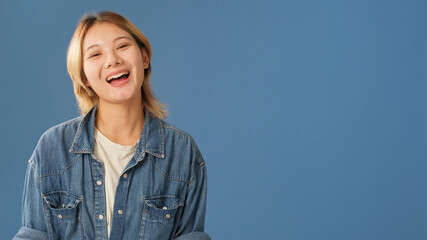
(160, 195)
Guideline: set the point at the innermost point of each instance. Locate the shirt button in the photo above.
(168, 216)
(120, 212)
(125, 175)
(165, 208)
(60, 216)
(100, 216)
(99, 182)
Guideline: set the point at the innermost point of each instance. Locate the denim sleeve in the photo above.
(25, 233)
(192, 222)
(194, 236)
(33, 221)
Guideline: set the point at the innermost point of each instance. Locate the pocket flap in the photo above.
(161, 208)
(163, 202)
(61, 200)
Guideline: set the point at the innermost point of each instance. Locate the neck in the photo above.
(121, 123)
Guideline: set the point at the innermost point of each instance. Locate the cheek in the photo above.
(137, 59)
(90, 71)
(87, 76)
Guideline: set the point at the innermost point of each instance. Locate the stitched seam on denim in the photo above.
(194, 177)
(162, 134)
(199, 158)
(77, 136)
(167, 177)
(174, 209)
(49, 223)
(143, 137)
(154, 152)
(60, 172)
(124, 212)
(33, 166)
(81, 224)
(66, 192)
(156, 197)
(143, 223)
(69, 122)
(177, 130)
(71, 164)
(172, 178)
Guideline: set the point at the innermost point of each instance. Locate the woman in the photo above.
(118, 171)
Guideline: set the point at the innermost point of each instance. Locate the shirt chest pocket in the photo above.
(63, 212)
(158, 216)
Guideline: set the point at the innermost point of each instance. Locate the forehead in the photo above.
(102, 32)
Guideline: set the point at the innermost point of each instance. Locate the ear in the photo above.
(86, 82)
(145, 59)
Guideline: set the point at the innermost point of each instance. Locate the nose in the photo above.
(112, 60)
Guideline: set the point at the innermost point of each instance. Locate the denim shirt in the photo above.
(161, 194)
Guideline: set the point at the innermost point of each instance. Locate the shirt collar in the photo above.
(151, 141)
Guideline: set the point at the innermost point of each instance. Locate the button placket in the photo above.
(120, 202)
(99, 198)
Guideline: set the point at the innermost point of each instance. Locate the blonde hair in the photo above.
(86, 97)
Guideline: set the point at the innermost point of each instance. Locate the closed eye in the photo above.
(94, 55)
(122, 46)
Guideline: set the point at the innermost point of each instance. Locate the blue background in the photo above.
(311, 115)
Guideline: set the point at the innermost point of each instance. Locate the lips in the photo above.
(118, 76)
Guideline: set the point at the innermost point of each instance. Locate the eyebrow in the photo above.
(116, 39)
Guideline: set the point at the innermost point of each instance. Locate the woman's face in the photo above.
(113, 64)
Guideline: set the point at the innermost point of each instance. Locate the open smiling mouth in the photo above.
(114, 79)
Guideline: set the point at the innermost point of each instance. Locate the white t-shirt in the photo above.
(115, 158)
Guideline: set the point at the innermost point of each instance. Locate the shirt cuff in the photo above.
(194, 236)
(26, 233)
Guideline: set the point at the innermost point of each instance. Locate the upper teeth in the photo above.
(117, 75)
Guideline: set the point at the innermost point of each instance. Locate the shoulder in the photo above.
(61, 133)
(179, 137)
(172, 131)
(53, 146)
(182, 158)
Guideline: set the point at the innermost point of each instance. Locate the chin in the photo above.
(125, 99)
